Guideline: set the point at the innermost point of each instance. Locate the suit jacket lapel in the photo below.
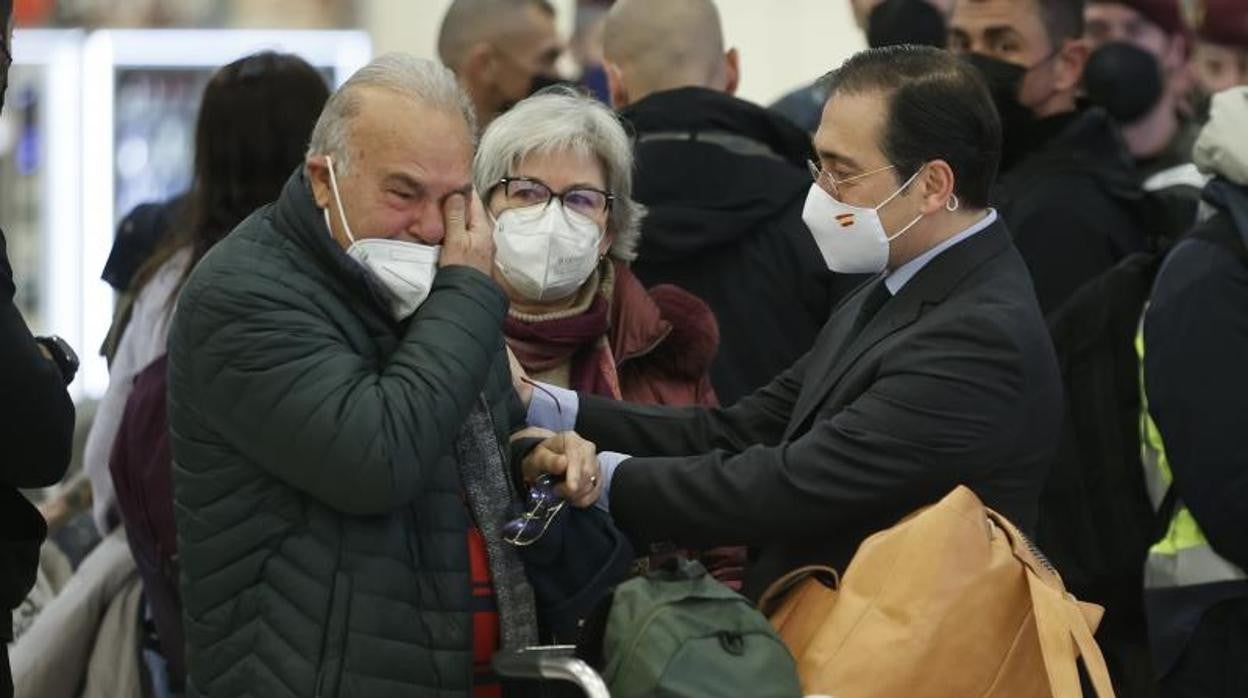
(931, 285)
(838, 354)
(827, 345)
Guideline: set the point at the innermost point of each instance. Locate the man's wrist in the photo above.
(609, 463)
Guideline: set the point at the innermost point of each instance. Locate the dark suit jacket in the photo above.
(952, 382)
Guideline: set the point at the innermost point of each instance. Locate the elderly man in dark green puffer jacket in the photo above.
(342, 412)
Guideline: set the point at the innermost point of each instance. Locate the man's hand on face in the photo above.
(469, 237)
(568, 455)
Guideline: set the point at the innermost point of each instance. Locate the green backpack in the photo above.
(679, 632)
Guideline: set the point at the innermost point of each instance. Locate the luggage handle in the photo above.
(771, 599)
(555, 663)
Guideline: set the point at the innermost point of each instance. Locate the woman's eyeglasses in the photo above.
(525, 191)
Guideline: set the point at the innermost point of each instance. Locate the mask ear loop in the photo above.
(342, 213)
(900, 189)
(917, 218)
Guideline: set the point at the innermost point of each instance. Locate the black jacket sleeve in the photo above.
(37, 424)
(641, 430)
(1196, 377)
(938, 414)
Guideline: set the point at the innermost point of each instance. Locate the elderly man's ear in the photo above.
(317, 169)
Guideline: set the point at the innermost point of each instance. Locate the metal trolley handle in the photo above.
(556, 663)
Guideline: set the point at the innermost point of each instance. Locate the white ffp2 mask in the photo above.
(405, 270)
(851, 238)
(545, 251)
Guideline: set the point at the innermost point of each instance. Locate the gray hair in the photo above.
(422, 80)
(560, 120)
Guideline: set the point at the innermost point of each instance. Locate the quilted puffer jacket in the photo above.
(322, 529)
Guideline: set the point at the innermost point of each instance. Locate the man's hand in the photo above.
(568, 455)
(469, 239)
(520, 379)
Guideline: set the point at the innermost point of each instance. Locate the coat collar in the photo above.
(836, 351)
(300, 219)
(637, 324)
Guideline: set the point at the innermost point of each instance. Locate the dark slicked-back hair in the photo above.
(938, 109)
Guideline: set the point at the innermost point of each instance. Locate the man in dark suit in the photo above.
(937, 372)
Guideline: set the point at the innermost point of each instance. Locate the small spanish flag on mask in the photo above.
(845, 219)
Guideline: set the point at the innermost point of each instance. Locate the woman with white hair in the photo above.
(555, 173)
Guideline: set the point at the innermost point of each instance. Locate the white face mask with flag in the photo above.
(404, 270)
(851, 238)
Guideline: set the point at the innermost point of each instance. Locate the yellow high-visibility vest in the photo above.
(1183, 556)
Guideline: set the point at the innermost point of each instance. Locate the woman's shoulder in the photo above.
(690, 346)
(675, 367)
(665, 324)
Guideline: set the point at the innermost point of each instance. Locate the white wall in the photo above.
(412, 26)
(787, 43)
(783, 43)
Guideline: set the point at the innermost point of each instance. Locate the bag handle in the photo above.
(1058, 622)
(777, 590)
(1024, 549)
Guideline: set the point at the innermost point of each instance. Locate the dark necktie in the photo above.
(877, 296)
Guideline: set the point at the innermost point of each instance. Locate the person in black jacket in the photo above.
(36, 427)
(1138, 72)
(1068, 186)
(937, 372)
(724, 181)
(1195, 340)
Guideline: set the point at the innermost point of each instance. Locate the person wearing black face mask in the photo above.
(1124, 80)
(1068, 191)
(500, 50)
(1137, 73)
(36, 429)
